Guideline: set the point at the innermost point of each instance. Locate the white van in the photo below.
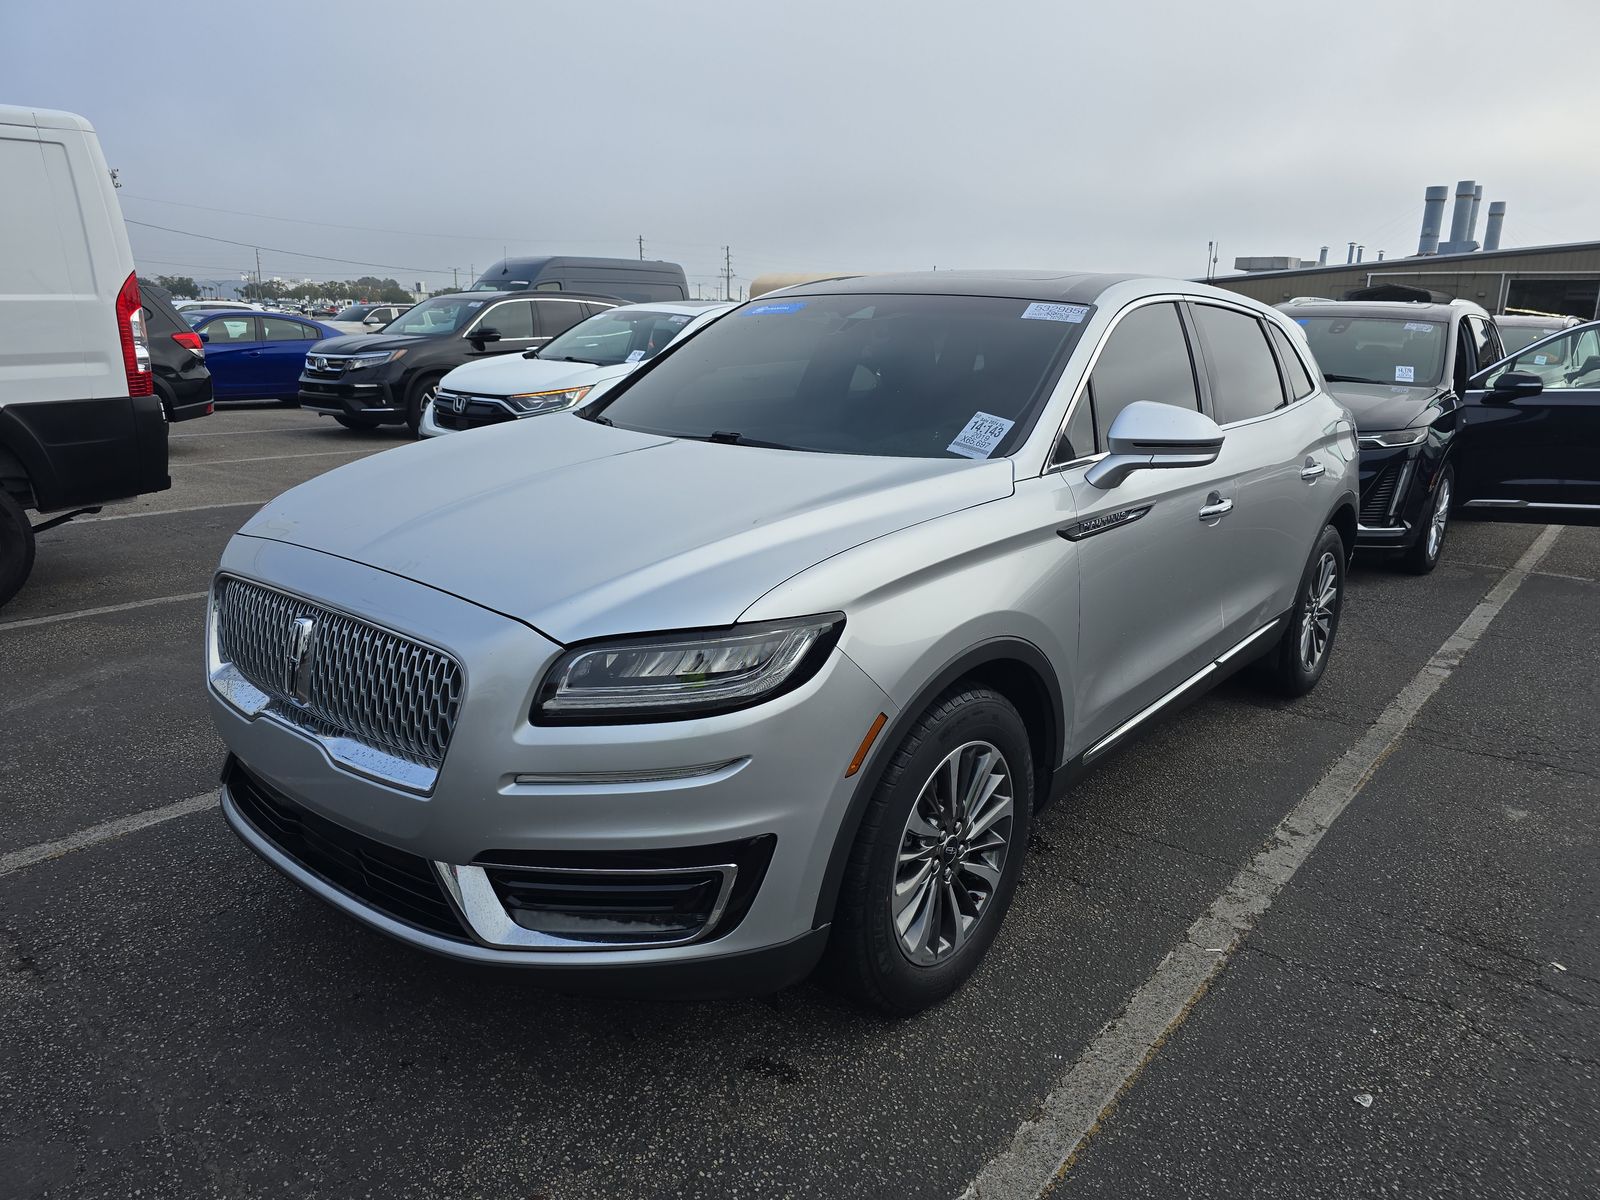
(79, 423)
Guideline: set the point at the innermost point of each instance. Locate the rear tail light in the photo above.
(135, 345)
(191, 341)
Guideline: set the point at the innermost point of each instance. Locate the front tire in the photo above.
(16, 547)
(1302, 654)
(1424, 554)
(418, 398)
(937, 856)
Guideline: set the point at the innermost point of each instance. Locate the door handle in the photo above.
(1216, 508)
(1312, 471)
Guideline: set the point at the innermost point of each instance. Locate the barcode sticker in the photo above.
(634, 356)
(1072, 314)
(982, 434)
(1419, 327)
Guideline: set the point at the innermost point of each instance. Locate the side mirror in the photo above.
(489, 334)
(205, 337)
(1149, 436)
(1513, 385)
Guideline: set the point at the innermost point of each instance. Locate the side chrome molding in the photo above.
(1205, 672)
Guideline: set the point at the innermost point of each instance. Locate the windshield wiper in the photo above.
(1351, 379)
(726, 437)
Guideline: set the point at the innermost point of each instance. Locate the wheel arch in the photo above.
(1015, 668)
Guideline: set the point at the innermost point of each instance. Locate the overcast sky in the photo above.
(814, 135)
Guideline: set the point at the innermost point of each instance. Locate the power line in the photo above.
(355, 262)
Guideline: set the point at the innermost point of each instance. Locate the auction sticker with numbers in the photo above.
(1072, 314)
(981, 436)
(1405, 374)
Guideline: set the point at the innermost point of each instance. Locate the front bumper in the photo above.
(377, 401)
(510, 792)
(1395, 487)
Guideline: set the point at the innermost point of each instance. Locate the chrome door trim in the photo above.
(1139, 718)
(1529, 504)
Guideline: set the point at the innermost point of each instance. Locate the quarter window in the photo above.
(1244, 379)
(511, 321)
(1145, 358)
(1485, 342)
(1300, 384)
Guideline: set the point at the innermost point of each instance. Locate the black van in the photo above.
(630, 279)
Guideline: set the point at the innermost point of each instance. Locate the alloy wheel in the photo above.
(1441, 516)
(952, 853)
(1316, 623)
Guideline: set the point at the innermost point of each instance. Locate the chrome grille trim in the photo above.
(377, 701)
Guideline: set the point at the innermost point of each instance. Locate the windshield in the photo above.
(352, 312)
(499, 285)
(904, 376)
(442, 314)
(1377, 349)
(619, 335)
(1516, 337)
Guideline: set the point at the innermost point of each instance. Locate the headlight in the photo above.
(357, 362)
(669, 676)
(532, 402)
(1390, 441)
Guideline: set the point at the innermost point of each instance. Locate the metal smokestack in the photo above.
(1350, 254)
(1463, 212)
(1322, 257)
(1432, 219)
(1472, 217)
(1491, 231)
(1360, 252)
(1380, 255)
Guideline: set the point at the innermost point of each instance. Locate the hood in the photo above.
(1383, 406)
(366, 343)
(583, 531)
(509, 374)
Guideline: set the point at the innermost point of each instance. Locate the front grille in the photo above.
(351, 679)
(325, 367)
(475, 412)
(1378, 494)
(397, 884)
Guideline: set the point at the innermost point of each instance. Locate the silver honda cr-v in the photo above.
(770, 656)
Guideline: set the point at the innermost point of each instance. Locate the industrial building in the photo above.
(1540, 279)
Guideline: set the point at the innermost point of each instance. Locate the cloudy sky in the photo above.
(410, 137)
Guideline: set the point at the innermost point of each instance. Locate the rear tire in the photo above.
(1301, 656)
(16, 547)
(929, 881)
(355, 422)
(1424, 554)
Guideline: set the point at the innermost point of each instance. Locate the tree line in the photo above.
(368, 288)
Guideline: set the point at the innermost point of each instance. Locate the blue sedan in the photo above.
(256, 355)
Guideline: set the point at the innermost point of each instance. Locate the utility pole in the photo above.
(641, 247)
(727, 273)
(258, 266)
(455, 278)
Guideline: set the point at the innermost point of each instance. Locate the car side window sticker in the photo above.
(1072, 314)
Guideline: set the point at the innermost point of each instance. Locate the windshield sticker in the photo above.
(762, 310)
(1072, 314)
(677, 320)
(474, 303)
(1302, 320)
(634, 356)
(981, 436)
(1405, 374)
(1540, 360)
(1419, 327)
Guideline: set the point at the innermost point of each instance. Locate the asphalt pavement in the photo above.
(176, 1020)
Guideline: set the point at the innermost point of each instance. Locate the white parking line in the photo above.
(16, 860)
(167, 512)
(28, 622)
(1043, 1148)
(265, 431)
(222, 462)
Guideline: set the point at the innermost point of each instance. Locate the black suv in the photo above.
(1402, 369)
(389, 378)
(177, 357)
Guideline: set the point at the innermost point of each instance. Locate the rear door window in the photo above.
(276, 329)
(231, 329)
(558, 316)
(1244, 378)
(512, 320)
(1146, 358)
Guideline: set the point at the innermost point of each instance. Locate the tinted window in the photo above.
(558, 316)
(1300, 383)
(616, 336)
(1377, 349)
(908, 376)
(276, 329)
(230, 329)
(512, 320)
(1485, 343)
(1146, 358)
(1244, 378)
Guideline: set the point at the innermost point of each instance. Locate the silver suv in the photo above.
(771, 655)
